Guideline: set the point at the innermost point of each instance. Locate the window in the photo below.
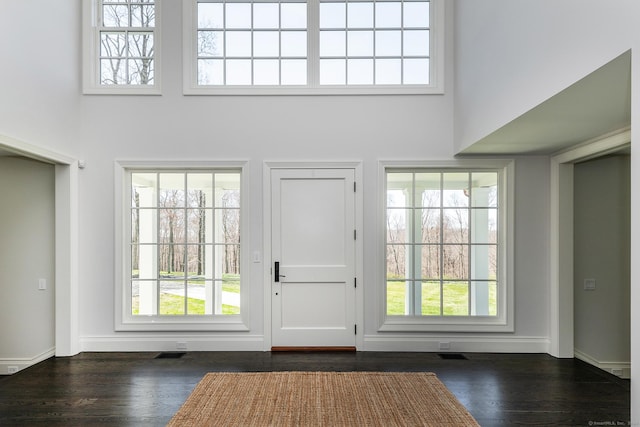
(374, 43)
(318, 46)
(251, 44)
(181, 258)
(121, 46)
(445, 241)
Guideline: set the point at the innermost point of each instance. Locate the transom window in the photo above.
(121, 46)
(182, 258)
(318, 46)
(444, 246)
(252, 43)
(374, 42)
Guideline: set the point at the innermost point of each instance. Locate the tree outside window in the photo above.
(185, 243)
(127, 42)
(441, 243)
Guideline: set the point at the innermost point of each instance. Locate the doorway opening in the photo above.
(562, 262)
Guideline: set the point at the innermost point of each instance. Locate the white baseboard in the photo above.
(413, 343)
(10, 366)
(619, 369)
(141, 342)
(456, 343)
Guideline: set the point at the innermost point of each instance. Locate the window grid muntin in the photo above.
(127, 30)
(312, 59)
(215, 277)
(413, 206)
(252, 30)
(374, 28)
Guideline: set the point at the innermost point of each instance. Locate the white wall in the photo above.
(512, 55)
(40, 72)
(601, 252)
(53, 113)
(26, 255)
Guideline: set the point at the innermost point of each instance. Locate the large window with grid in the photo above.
(251, 43)
(121, 46)
(374, 42)
(444, 245)
(315, 46)
(181, 260)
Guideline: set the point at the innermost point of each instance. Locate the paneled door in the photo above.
(313, 257)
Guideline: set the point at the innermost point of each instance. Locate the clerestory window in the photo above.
(121, 46)
(446, 260)
(181, 262)
(315, 46)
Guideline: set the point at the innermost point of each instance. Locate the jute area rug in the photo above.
(322, 399)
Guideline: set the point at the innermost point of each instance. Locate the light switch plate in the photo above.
(589, 284)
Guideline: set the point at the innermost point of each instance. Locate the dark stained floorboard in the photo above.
(137, 389)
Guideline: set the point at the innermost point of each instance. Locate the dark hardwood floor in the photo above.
(139, 389)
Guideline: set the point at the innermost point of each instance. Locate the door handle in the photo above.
(276, 271)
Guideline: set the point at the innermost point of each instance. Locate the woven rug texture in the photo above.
(321, 399)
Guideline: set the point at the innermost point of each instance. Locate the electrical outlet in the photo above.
(445, 345)
(181, 346)
(12, 369)
(42, 284)
(617, 371)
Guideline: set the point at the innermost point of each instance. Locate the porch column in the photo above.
(148, 262)
(479, 253)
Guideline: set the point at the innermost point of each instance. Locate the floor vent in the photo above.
(170, 355)
(452, 356)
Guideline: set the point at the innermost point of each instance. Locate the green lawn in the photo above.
(174, 304)
(455, 299)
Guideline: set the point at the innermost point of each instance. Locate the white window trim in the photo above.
(127, 322)
(504, 322)
(436, 64)
(91, 54)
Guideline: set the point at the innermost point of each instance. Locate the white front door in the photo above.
(313, 257)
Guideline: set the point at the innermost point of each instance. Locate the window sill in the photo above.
(304, 90)
(122, 90)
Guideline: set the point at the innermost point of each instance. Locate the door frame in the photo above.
(561, 339)
(356, 166)
(67, 330)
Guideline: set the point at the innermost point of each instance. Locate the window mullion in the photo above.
(252, 59)
(402, 43)
(280, 42)
(313, 43)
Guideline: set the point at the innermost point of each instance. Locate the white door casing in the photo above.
(313, 238)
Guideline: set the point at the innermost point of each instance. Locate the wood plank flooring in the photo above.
(139, 389)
